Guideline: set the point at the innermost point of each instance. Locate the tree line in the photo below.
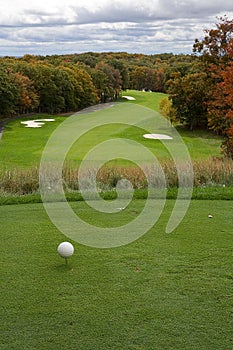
(199, 86)
(201, 95)
(64, 83)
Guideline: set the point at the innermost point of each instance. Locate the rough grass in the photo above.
(211, 172)
(161, 292)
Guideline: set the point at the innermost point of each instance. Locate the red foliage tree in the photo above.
(216, 51)
(221, 106)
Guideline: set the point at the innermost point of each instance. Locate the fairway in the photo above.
(22, 147)
(160, 292)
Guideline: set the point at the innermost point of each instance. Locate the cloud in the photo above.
(121, 25)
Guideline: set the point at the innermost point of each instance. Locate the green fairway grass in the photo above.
(201, 143)
(164, 291)
(147, 99)
(23, 147)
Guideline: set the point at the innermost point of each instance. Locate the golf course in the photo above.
(156, 290)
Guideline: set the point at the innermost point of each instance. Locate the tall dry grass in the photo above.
(211, 172)
(19, 181)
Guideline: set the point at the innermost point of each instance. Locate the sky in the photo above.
(45, 27)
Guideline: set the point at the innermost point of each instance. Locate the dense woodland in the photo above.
(199, 86)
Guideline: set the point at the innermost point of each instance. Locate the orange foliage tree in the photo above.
(221, 107)
(216, 51)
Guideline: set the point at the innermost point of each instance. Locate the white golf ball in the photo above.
(65, 249)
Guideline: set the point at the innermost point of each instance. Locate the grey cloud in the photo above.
(113, 12)
(194, 8)
(164, 10)
(171, 26)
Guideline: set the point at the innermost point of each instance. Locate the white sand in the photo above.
(130, 98)
(36, 123)
(157, 136)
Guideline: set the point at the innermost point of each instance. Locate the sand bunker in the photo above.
(36, 123)
(130, 98)
(157, 136)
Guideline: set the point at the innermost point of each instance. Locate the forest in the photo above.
(199, 86)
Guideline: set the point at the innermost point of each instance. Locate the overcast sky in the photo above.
(73, 26)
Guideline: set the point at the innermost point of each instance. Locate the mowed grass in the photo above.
(147, 99)
(164, 291)
(201, 144)
(23, 147)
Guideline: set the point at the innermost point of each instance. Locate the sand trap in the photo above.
(157, 136)
(36, 123)
(130, 98)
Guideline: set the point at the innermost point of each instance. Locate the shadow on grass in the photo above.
(64, 267)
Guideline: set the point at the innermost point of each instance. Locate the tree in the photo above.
(216, 51)
(59, 88)
(122, 68)
(100, 81)
(159, 85)
(167, 109)
(84, 88)
(139, 78)
(214, 46)
(9, 93)
(110, 81)
(189, 95)
(220, 108)
(227, 145)
(27, 97)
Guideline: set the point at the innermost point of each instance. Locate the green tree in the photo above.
(189, 96)
(121, 66)
(110, 81)
(100, 81)
(9, 93)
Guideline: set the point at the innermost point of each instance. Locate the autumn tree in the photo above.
(27, 100)
(108, 81)
(59, 88)
(122, 68)
(167, 109)
(220, 108)
(216, 51)
(147, 78)
(100, 80)
(84, 88)
(189, 96)
(213, 48)
(138, 78)
(9, 93)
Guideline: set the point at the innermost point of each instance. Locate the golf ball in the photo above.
(65, 249)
